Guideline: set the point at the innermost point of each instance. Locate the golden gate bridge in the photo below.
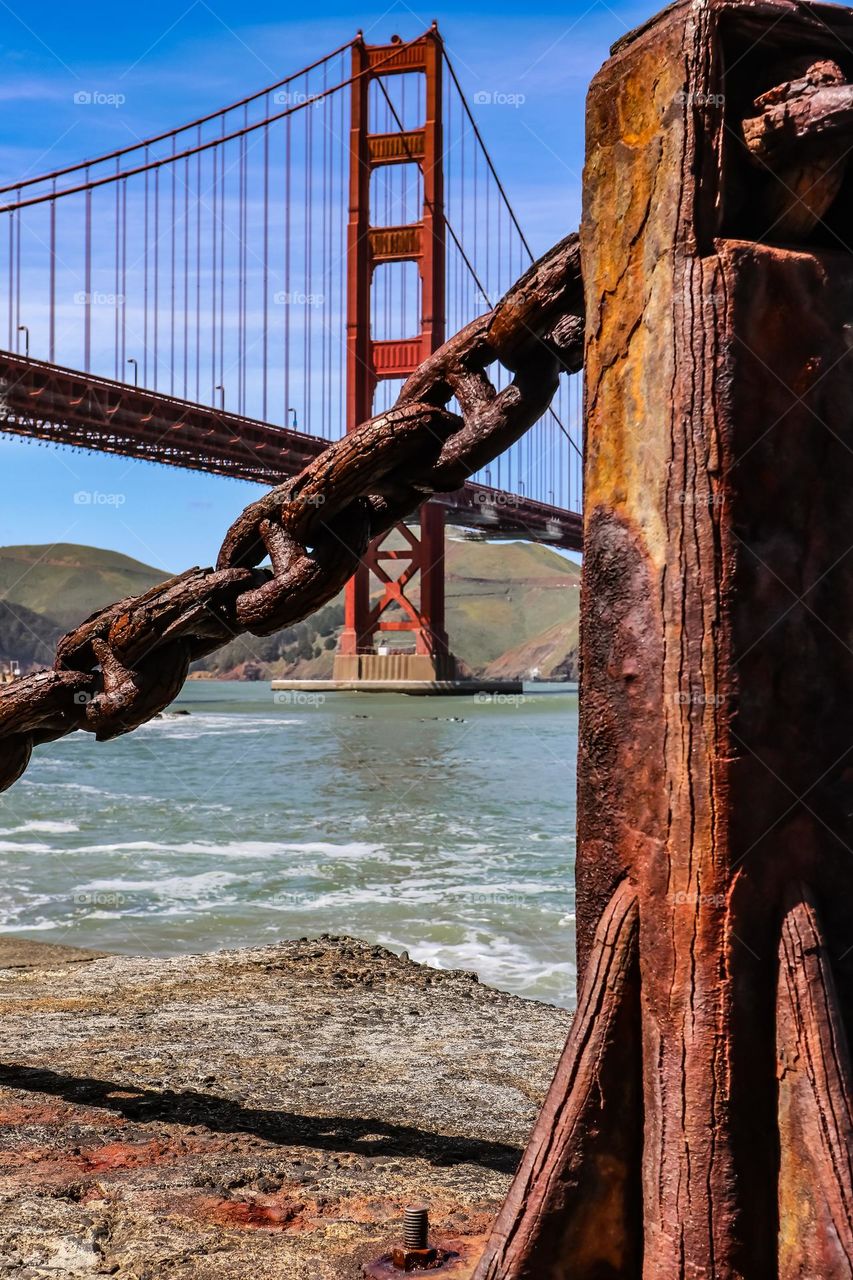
(232, 294)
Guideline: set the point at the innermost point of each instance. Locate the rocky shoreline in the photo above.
(262, 1113)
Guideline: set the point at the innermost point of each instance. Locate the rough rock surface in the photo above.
(23, 953)
(257, 1114)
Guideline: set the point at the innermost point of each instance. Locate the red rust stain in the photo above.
(269, 1213)
(16, 1114)
(125, 1155)
(55, 1165)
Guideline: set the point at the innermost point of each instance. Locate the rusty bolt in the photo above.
(416, 1227)
(415, 1253)
(406, 1259)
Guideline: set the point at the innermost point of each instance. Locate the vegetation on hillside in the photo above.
(68, 582)
(26, 637)
(512, 608)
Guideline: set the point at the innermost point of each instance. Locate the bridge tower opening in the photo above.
(407, 564)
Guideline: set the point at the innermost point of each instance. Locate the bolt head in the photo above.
(413, 1259)
(401, 1261)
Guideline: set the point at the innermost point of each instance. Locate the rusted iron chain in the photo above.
(128, 661)
(795, 142)
(813, 102)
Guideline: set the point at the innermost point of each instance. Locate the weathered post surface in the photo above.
(700, 1121)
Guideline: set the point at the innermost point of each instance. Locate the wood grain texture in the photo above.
(815, 1105)
(572, 1210)
(715, 760)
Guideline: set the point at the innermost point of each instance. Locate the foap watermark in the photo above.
(695, 698)
(706, 299)
(97, 98)
(95, 299)
(493, 898)
(497, 98)
(295, 98)
(94, 498)
(484, 498)
(298, 698)
(100, 900)
(692, 898)
(293, 298)
(688, 498)
(699, 99)
(315, 500)
(499, 699)
(289, 898)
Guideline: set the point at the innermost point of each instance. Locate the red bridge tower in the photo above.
(369, 361)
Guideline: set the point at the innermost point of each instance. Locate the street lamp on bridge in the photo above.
(131, 360)
(22, 328)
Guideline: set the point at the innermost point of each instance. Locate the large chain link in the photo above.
(127, 662)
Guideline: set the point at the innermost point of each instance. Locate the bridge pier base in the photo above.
(416, 558)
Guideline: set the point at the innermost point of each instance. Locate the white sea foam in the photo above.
(500, 962)
(211, 724)
(81, 787)
(44, 827)
(39, 925)
(174, 887)
(24, 846)
(258, 850)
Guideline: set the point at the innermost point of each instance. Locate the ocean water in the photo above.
(445, 827)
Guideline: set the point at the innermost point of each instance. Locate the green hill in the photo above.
(501, 596)
(511, 607)
(67, 583)
(26, 637)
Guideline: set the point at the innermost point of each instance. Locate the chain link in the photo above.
(128, 661)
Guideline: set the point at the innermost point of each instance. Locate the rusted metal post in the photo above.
(700, 1121)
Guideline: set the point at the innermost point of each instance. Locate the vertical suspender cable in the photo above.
(324, 262)
(18, 271)
(51, 345)
(238, 262)
(222, 190)
(186, 268)
(241, 279)
(198, 270)
(342, 233)
(11, 273)
(124, 276)
(145, 285)
(265, 345)
(87, 340)
(156, 272)
(287, 163)
(244, 272)
(213, 264)
(117, 266)
(145, 272)
(173, 167)
(307, 249)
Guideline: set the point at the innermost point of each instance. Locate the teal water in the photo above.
(440, 826)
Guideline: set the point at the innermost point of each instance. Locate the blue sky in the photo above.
(172, 62)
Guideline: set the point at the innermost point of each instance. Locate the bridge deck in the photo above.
(44, 401)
